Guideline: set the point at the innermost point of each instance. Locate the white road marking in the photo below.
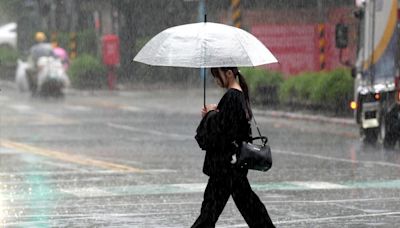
(196, 187)
(131, 108)
(283, 202)
(334, 201)
(63, 173)
(93, 215)
(78, 108)
(68, 166)
(151, 132)
(74, 217)
(336, 159)
(150, 189)
(318, 185)
(86, 192)
(55, 181)
(21, 107)
(161, 171)
(93, 205)
(49, 119)
(5, 151)
(310, 220)
(315, 220)
(59, 217)
(351, 207)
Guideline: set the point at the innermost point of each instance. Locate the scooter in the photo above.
(51, 77)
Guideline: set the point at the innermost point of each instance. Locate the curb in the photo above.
(307, 117)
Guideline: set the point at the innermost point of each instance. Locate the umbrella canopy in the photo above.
(204, 45)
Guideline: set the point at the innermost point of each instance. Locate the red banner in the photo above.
(292, 45)
(298, 47)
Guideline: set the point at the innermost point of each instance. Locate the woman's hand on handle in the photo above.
(207, 108)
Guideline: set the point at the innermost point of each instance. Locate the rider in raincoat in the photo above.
(40, 49)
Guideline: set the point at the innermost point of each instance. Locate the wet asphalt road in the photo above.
(128, 159)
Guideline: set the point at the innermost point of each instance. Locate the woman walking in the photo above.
(221, 125)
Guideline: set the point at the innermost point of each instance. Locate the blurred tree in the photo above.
(25, 13)
(142, 19)
(11, 8)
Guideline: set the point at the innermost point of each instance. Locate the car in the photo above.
(8, 35)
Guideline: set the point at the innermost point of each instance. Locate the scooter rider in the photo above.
(40, 49)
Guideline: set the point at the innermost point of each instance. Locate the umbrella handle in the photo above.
(204, 82)
(204, 71)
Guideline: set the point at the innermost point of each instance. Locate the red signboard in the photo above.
(298, 47)
(292, 45)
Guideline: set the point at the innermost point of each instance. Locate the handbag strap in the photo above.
(264, 139)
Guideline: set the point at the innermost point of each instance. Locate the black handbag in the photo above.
(254, 156)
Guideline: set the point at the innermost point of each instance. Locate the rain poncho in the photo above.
(40, 50)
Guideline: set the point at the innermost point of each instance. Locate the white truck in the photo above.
(376, 70)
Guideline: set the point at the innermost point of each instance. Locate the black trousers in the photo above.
(216, 195)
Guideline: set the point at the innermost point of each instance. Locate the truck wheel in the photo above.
(386, 137)
(369, 136)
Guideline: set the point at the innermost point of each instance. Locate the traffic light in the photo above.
(341, 35)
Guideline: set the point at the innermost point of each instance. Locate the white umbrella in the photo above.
(205, 45)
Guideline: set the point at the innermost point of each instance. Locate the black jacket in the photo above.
(218, 129)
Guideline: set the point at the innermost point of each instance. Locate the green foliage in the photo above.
(300, 88)
(8, 56)
(86, 41)
(332, 90)
(11, 8)
(87, 71)
(335, 90)
(263, 84)
(260, 77)
(288, 91)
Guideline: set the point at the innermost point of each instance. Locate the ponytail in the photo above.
(243, 85)
(245, 88)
